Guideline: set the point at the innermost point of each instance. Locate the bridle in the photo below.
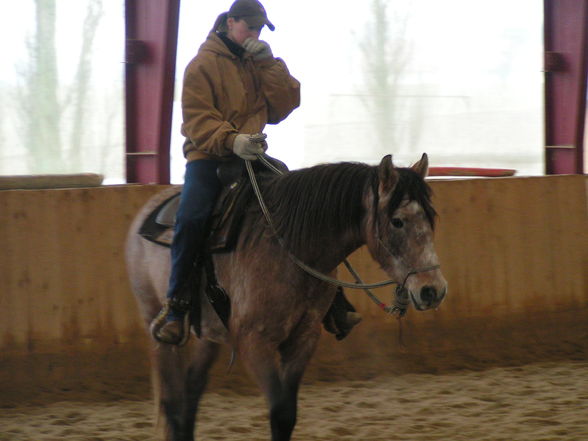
(401, 299)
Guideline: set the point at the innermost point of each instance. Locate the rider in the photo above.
(232, 88)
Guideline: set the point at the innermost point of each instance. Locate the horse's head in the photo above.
(400, 228)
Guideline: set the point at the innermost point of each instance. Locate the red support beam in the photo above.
(151, 42)
(566, 67)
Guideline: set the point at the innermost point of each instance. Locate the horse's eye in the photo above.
(397, 223)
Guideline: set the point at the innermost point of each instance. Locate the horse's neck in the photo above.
(329, 261)
(318, 211)
(333, 249)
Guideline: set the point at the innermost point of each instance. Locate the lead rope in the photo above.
(401, 298)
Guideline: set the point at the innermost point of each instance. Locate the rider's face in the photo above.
(239, 30)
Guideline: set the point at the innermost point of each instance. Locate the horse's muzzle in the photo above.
(429, 297)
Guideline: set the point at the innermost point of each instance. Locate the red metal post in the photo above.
(151, 42)
(566, 77)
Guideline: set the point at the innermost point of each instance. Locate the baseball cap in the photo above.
(252, 12)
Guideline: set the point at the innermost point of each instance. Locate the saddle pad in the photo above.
(167, 215)
(152, 230)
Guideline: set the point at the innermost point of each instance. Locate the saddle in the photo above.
(225, 220)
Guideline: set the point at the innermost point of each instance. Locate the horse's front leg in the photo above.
(182, 377)
(278, 372)
(203, 356)
(281, 396)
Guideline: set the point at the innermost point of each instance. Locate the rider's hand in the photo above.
(248, 146)
(258, 48)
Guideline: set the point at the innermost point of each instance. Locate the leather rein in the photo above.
(401, 298)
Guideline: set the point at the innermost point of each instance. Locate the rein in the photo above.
(401, 299)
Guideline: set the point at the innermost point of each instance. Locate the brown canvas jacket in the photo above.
(221, 98)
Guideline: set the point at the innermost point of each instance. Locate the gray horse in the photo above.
(322, 214)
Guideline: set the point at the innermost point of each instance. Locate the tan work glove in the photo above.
(258, 48)
(249, 146)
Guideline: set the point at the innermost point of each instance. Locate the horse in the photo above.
(319, 215)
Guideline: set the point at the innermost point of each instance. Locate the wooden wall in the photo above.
(62, 271)
(509, 248)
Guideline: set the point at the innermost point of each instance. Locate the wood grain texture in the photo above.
(508, 247)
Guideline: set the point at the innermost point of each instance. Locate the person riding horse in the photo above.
(232, 88)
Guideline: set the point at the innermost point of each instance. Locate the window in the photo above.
(61, 88)
(458, 79)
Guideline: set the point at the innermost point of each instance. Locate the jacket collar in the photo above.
(217, 44)
(236, 49)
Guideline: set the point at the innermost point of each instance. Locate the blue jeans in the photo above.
(199, 194)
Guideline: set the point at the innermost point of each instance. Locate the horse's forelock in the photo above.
(413, 186)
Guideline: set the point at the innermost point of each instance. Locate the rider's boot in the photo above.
(341, 317)
(172, 324)
(180, 311)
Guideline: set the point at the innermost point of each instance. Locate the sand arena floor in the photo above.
(539, 401)
(531, 389)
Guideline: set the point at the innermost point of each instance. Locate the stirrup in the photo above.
(161, 319)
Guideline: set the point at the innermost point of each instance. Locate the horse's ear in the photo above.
(387, 174)
(422, 167)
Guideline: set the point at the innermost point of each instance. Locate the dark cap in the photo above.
(252, 12)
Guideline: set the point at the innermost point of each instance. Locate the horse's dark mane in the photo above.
(310, 204)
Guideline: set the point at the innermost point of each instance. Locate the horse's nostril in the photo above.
(428, 294)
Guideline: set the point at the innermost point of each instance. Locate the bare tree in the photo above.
(41, 111)
(81, 83)
(37, 95)
(110, 158)
(386, 53)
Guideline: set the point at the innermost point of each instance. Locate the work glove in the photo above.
(258, 48)
(248, 146)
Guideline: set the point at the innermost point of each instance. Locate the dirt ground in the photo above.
(539, 401)
(534, 388)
